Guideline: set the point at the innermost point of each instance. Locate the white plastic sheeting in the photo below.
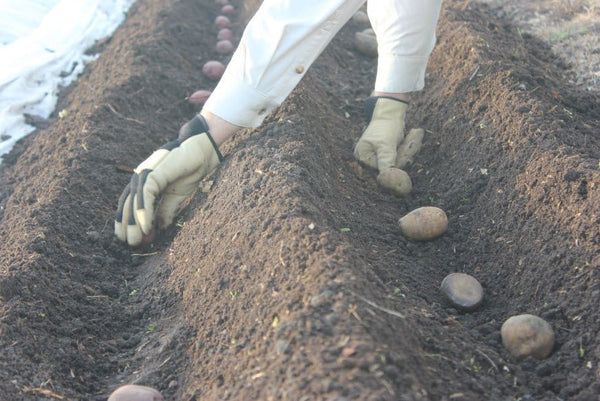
(42, 48)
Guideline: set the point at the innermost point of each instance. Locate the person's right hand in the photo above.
(409, 147)
(377, 146)
(163, 181)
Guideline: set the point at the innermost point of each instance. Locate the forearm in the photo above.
(278, 46)
(405, 31)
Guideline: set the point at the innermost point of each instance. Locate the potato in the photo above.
(424, 223)
(395, 181)
(361, 18)
(200, 96)
(225, 34)
(228, 9)
(369, 32)
(222, 22)
(366, 43)
(133, 392)
(409, 147)
(224, 46)
(147, 239)
(527, 335)
(213, 69)
(463, 291)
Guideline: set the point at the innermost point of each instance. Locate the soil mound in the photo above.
(287, 277)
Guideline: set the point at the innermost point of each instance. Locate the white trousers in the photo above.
(285, 37)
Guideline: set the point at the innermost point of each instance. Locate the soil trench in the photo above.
(287, 277)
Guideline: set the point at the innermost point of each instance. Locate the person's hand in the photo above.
(377, 147)
(163, 181)
(409, 147)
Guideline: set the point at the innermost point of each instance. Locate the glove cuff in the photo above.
(196, 126)
(370, 103)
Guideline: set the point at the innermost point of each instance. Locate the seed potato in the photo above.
(199, 97)
(228, 9)
(527, 335)
(463, 291)
(361, 18)
(133, 392)
(213, 69)
(424, 223)
(366, 43)
(147, 239)
(224, 46)
(222, 22)
(225, 34)
(395, 181)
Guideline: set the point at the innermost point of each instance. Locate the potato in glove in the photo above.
(379, 142)
(164, 180)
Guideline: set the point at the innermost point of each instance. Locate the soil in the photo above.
(570, 27)
(287, 278)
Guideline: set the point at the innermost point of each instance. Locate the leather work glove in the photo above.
(169, 176)
(378, 144)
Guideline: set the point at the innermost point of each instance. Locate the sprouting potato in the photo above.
(424, 223)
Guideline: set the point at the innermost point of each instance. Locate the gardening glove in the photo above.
(378, 144)
(409, 147)
(170, 175)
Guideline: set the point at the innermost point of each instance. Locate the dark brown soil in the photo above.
(289, 279)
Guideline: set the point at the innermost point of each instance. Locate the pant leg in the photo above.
(405, 31)
(277, 47)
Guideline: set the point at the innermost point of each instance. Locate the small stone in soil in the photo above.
(527, 335)
(462, 291)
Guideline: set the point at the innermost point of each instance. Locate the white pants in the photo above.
(284, 37)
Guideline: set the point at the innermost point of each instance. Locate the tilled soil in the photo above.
(287, 277)
(570, 27)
